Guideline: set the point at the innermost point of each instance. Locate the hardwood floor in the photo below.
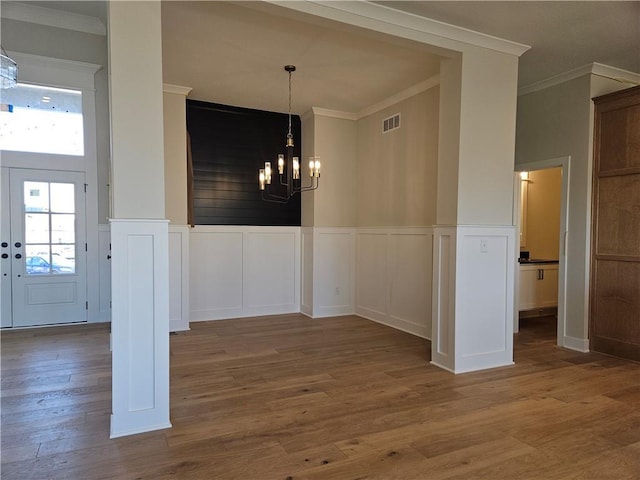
(292, 398)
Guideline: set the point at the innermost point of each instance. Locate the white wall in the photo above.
(487, 137)
(137, 157)
(394, 277)
(335, 142)
(243, 271)
(397, 170)
(334, 273)
(175, 153)
(308, 150)
(139, 233)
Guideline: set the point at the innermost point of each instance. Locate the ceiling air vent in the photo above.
(391, 123)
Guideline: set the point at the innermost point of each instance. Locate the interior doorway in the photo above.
(541, 276)
(43, 247)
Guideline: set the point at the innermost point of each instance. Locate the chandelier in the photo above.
(289, 180)
(8, 70)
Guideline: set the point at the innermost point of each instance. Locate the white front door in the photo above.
(46, 247)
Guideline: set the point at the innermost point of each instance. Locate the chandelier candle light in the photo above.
(288, 167)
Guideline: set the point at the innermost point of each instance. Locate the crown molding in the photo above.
(325, 112)
(54, 72)
(388, 102)
(177, 89)
(388, 20)
(598, 69)
(24, 12)
(401, 96)
(615, 73)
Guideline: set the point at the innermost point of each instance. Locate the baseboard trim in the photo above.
(578, 344)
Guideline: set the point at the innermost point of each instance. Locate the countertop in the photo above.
(536, 261)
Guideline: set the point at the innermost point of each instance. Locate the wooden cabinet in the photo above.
(538, 286)
(615, 252)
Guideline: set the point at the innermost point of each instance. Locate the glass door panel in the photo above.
(49, 223)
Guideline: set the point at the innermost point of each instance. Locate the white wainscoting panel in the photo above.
(443, 297)
(140, 326)
(178, 278)
(104, 273)
(484, 294)
(334, 273)
(215, 275)
(239, 271)
(394, 277)
(372, 282)
(410, 272)
(271, 275)
(306, 303)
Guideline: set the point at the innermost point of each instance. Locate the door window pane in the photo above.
(36, 197)
(62, 198)
(37, 260)
(63, 228)
(36, 228)
(63, 258)
(42, 120)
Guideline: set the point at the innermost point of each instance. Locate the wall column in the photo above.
(474, 239)
(139, 232)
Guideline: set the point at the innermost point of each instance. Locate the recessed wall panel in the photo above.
(269, 269)
(372, 272)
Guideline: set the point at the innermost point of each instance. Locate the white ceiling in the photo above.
(234, 52)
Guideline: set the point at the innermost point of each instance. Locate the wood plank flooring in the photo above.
(289, 398)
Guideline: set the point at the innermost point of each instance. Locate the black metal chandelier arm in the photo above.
(275, 199)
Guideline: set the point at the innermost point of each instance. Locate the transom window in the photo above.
(41, 119)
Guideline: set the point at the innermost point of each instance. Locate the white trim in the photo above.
(325, 112)
(104, 273)
(140, 326)
(412, 91)
(415, 316)
(179, 290)
(177, 89)
(579, 344)
(53, 18)
(423, 86)
(229, 264)
(565, 164)
(473, 278)
(325, 303)
(403, 24)
(55, 72)
(623, 76)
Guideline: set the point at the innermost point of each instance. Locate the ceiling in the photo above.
(234, 52)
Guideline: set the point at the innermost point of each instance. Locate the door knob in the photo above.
(18, 255)
(5, 255)
(18, 244)
(5, 244)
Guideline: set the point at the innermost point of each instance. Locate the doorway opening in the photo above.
(541, 216)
